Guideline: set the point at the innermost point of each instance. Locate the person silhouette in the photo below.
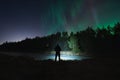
(57, 54)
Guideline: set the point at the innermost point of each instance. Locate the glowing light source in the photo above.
(65, 55)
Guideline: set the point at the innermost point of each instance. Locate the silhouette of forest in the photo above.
(103, 41)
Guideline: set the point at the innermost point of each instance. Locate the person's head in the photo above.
(57, 45)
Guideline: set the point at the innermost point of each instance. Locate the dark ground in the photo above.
(21, 68)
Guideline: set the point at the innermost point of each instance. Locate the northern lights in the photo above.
(29, 18)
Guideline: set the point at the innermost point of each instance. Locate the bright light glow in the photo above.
(65, 55)
(69, 53)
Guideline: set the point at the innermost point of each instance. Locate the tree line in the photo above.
(97, 42)
(38, 44)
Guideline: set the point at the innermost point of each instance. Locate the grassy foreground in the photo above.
(22, 68)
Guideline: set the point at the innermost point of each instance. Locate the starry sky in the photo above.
(29, 18)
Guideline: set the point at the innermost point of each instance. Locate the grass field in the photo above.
(21, 68)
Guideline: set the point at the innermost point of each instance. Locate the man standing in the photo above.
(57, 54)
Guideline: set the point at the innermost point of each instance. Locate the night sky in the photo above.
(29, 18)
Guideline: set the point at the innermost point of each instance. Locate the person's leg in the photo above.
(56, 57)
(59, 56)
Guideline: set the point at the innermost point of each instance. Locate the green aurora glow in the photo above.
(75, 15)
